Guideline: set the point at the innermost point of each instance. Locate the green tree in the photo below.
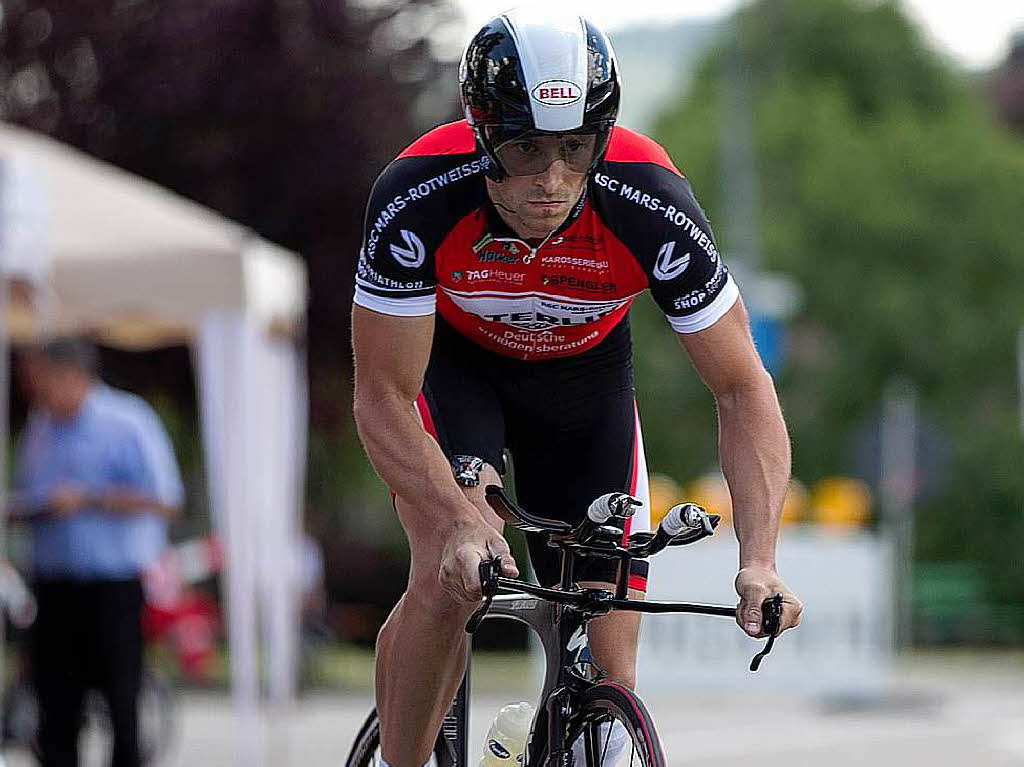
(888, 194)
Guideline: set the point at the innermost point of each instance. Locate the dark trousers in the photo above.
(88, 635)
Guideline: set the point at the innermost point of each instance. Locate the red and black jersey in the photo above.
(433, 242)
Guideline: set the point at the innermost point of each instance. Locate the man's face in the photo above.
(62, 388)
(537, 204)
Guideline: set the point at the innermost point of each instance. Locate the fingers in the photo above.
(498, 548)
(748, 614)
(792, 608)
(468, 574)
(460, 569)
(755, 584)
(751, 618)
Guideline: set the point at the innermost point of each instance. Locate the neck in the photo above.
(70, 406)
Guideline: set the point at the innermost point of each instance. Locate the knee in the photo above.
(625, 675)
(426, 595)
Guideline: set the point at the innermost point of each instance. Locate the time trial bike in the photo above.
(583, 718)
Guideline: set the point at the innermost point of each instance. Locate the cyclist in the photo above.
(499, 258)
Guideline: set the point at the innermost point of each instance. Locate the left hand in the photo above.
(755, 584)
(67, 499)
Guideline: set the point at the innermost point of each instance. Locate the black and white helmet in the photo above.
(540, 73)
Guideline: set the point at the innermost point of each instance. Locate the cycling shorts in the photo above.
(570, 425)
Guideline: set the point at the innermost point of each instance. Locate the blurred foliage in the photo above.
(889, 196)
(277, 113)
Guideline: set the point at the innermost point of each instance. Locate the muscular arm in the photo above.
(754, 450)
(391, 355)
(753, 443)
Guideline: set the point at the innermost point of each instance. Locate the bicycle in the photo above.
(181, 620)
(579, 708)
(157, 717)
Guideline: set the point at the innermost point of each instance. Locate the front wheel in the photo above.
(612, 728)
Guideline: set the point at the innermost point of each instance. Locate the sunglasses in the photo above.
(533, 152)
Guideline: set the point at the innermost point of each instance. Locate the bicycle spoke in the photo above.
(608, 737)
(602, 743)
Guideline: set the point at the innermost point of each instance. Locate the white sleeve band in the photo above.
(710, 314)
(417, 306)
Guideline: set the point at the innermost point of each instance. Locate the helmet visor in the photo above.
(533, 152)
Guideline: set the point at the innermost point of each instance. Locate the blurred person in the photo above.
(97, 481)
(499, 259)
(311, 589)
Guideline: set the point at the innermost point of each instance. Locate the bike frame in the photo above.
(559, 618)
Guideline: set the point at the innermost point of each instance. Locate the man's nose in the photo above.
(554, 177)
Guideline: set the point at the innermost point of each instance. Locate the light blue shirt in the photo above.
(115, 441)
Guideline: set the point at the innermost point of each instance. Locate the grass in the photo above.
(350, 669)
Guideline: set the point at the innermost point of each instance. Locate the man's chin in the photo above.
(549, 219)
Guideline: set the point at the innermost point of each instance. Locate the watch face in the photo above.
(466, 469)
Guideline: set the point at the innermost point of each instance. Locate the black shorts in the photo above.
(570, 425)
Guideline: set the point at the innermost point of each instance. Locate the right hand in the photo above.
(468, 545)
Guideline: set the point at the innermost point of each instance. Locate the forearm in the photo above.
(408, 460)
(125, 500)
(755, 454)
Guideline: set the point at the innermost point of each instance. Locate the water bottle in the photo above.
(506, 739)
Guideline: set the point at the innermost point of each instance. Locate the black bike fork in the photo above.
(455, 725)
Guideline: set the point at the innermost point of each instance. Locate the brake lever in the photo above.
(771, 619)
(489, 572)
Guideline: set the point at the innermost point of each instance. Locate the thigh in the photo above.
(583, 442)
(460, 405)
(118, 645)
(58, 669)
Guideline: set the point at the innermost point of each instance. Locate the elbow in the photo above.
(371, 410)
(757, 386)
(362, 414)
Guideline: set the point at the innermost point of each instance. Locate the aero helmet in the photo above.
(527, 74)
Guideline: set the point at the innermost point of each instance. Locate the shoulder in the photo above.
(626, 146)
(126, 411)
(451, 138)
(34, 432)
(413, 206)
(443, 148)
(639, 191)
(436, 170)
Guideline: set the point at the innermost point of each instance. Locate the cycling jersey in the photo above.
(434, 242)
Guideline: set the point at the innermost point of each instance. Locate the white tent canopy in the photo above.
(139, 266)
(125, 255)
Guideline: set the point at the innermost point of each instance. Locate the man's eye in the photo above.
(526, 147)
(575, 146)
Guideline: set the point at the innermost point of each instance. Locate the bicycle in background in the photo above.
(176, 616)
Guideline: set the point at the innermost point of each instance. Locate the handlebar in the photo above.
(600, 602)
(600, 534)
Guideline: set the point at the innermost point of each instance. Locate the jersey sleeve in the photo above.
(413, 205)
(395, 274)
(651, 208)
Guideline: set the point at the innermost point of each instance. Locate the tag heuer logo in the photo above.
(456, 276)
